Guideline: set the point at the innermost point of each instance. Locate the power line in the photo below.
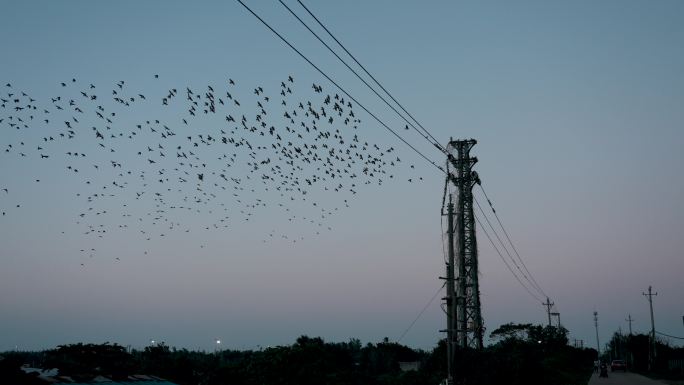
(421, 312)
(667, 335)
(504, 261)
(340, 87)
(496, 234)
(372, 77)
(534, 281)
(433, 142)
(491, 206)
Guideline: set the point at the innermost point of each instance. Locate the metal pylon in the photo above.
(469, 328)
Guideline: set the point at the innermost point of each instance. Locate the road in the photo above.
(619, 378)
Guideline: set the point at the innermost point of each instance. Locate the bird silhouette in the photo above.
(252, 158)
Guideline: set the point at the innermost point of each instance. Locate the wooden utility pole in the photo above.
(630, 319)
(652, 350)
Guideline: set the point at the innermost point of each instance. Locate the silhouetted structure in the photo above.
(469, 327)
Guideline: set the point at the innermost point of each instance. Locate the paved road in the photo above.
(619, 378)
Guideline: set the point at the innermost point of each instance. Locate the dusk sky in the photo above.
(577, 107)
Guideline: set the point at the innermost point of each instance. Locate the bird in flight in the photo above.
(275, 151)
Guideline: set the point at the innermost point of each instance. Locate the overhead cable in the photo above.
(505, 262)
(667, 335)
(433, 142)
(496, 234)
(515, 250)
(421, 312)
(340, 87)
(436, 142)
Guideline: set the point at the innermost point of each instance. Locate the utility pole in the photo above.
(450, 293)
(557, 315)
(598, 346)
(630, 356)
(548, 305)
(461, 322)
(469, 328)
(652, 351)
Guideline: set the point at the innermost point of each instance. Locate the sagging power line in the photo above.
(515, 250)
(435, 141)
(425, 135)
(432, 299)
(669, 335)
(505, 249)
(503, 259)
(343, 90)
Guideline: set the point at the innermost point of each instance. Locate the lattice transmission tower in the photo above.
(464, 317)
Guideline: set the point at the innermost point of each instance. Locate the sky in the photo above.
(576, 107)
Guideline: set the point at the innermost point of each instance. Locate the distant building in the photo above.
(51, 377)
(409, 366)
(41, 372)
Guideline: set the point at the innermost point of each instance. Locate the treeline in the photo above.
(523, 354)
(668, 361)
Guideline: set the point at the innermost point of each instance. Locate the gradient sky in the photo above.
(577, 107)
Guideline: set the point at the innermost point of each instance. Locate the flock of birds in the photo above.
(205, 152)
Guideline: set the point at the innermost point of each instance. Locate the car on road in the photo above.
(618, 365)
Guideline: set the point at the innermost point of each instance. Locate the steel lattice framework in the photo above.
(469, 327)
